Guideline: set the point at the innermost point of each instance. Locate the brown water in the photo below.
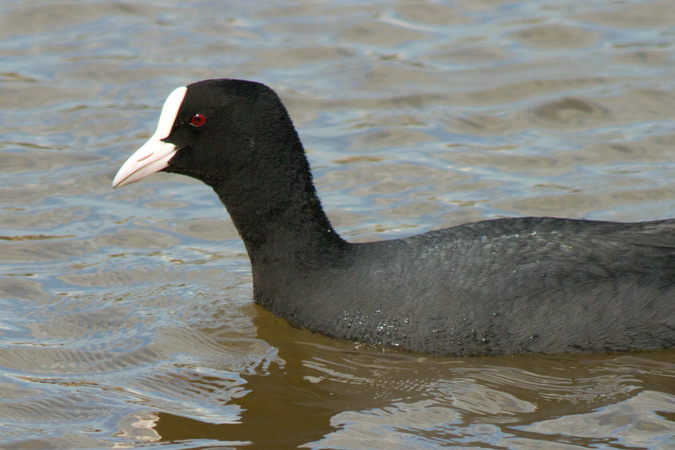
(127, 318)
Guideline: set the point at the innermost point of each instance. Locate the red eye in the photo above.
(198, 120)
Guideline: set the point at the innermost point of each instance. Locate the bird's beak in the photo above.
(155, 154)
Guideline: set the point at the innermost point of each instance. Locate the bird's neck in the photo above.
(281, 220)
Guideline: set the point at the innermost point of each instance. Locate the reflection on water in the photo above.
(127, 317)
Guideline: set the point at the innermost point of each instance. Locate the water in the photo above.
(127, 316)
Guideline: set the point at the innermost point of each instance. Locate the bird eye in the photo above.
(197, 120)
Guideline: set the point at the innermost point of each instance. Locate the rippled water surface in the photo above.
(127, 318)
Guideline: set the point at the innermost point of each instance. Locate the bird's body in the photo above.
(518, 285)
(503, 286)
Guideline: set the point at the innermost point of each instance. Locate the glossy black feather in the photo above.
(500, 286)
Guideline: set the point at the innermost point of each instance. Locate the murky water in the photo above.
(127, 318)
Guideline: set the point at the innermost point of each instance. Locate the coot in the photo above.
(517, 285)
